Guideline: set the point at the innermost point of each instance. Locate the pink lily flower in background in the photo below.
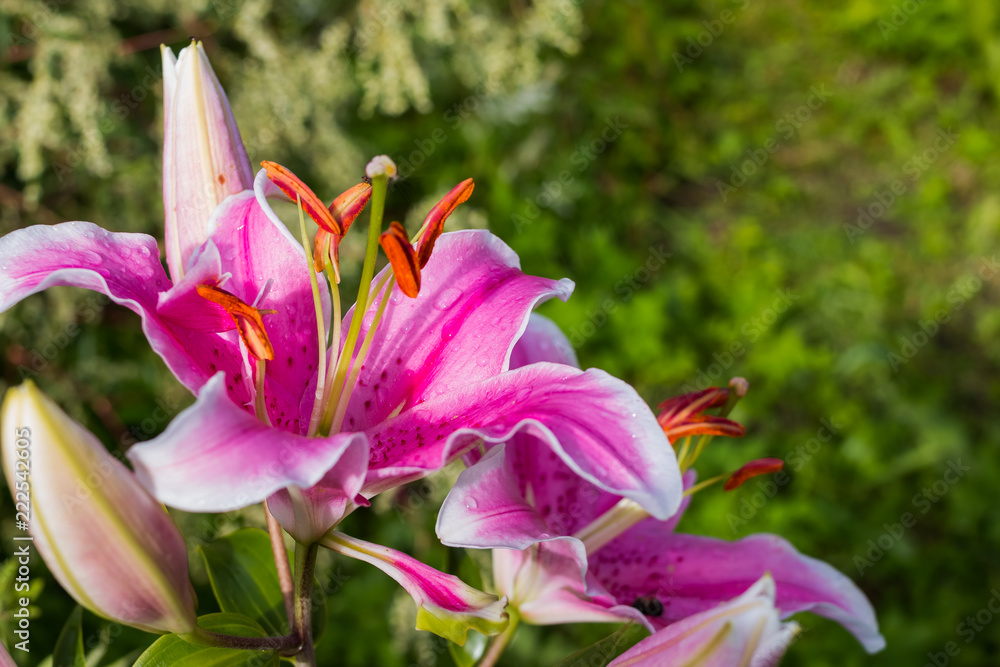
(429, 384)
(567, 551)
(746, 630)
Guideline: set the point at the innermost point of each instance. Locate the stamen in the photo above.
(625, 514)
(682, 417)
(247, 318)
(259, 405)
(338, 417)
(345, 208)
(434, 222)
(293, 186)
(320, 327)
(736, 479)
(751, 470)
(403, 259)
(264, 291)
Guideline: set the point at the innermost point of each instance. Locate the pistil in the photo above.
(379, 170)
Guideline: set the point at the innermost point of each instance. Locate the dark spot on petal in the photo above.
(222, 179)
(649, 605)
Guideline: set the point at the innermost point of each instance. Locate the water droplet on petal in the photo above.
(445, 299)
(471, 504)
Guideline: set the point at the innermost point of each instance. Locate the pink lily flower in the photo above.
(567, 551)
(238, 325)
(744, 631)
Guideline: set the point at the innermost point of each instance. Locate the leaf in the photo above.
(244, 578)
(607, 649)
(174, 650)
(470, 653)
(69, 646)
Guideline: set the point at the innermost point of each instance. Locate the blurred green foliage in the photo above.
(740, 142)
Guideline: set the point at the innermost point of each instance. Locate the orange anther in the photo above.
(247, 318)
(434, 222)
(403, 259)
(293, 186)
(751, 470)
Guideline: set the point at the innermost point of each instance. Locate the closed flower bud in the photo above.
(105, 539)
(204, 160)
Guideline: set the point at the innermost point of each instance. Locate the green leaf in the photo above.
(469, 653)
(607, 649)
(69, 646)
(244, 578)
(174, 650)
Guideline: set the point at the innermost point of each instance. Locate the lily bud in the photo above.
(744, 631)
(204, 160)
(105, 539)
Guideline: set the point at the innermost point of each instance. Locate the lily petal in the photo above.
(204, 160)
(486, 509)
(256, 250)
(546, 584)
(445, 605)
(543, 340)
(182, 304)
(473, 305)
(105, 539)
(691, 573)
(595, 423)
(487, 506)
(216, 457)
(125, 267)
(743, 631)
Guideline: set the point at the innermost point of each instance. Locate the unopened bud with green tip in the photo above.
(105, 539)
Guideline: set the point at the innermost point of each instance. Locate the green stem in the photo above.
(305, 563)
(281, 564)
(501, 642)
(209, 638)
(379, 185)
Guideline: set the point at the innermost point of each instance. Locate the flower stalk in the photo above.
(501, 642)
(305, 564)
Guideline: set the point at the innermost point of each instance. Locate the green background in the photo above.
(885, 328)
